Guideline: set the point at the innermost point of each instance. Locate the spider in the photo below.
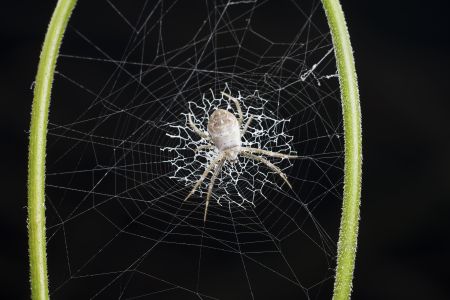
(224, 134)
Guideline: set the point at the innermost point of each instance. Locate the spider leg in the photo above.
(205, 173)
(269, 165)
(202, 147)
(211, 185)
(270, 153)
(196, 130)
(244, 130)
(238, 106)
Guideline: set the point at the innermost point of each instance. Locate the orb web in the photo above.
(121, 157)
(239, 182)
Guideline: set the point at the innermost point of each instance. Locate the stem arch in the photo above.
(352, 133)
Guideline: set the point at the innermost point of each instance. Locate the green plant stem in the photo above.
(352, 131)
(37, 148)
(348, 234)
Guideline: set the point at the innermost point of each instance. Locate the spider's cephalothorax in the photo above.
(224, 134)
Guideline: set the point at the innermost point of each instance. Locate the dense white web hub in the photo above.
(238, 183)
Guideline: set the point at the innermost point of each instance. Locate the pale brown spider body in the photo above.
(225, 135)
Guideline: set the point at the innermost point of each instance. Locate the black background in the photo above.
(403, 62)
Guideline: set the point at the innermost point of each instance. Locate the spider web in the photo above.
(121, 156)
(264, 131)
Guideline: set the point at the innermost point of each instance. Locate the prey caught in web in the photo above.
(231, 139)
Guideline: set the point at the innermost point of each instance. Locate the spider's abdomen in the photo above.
(223, 127)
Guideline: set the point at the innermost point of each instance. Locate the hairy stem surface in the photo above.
(37, 148)
(348, 234)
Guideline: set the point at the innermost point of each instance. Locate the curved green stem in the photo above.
(37, 148)
(353, 153)
(348, 234)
